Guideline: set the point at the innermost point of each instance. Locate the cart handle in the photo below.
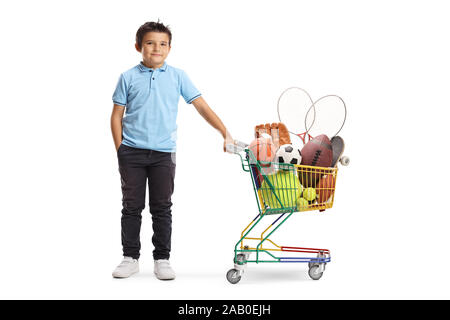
(236, 147)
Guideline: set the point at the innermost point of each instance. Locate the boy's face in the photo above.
(155, 49)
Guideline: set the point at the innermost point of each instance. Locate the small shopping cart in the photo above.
(280, 190)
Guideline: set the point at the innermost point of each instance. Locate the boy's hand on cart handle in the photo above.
(236, 146)
(227, 141)
(241, 144)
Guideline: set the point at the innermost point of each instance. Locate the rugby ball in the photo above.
(318, 153)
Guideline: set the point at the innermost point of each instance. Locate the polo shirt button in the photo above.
(153, 78)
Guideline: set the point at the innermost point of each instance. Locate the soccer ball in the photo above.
(287, 153)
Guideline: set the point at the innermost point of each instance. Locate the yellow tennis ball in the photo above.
(302, 204)
(309, 194)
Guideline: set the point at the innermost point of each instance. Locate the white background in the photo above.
(60, 186)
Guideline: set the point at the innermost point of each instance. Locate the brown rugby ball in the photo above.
(316, 152)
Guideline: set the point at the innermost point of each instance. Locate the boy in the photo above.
(145, 140)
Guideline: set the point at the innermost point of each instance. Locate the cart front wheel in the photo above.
(241, 258)
(233, 276)
(314, 272)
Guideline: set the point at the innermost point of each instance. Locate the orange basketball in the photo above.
(264, 150)
(325, 188)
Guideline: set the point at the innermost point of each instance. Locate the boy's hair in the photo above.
(152, 27)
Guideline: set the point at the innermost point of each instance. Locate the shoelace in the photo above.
(163, 264)
(125, 262)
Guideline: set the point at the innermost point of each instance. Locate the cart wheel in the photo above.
(314, 272)
(319, 256)
(233, 276)
(241, 258)
(311, 264)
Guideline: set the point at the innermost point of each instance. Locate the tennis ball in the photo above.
(309, 194)
(302, 204)
(285, 186)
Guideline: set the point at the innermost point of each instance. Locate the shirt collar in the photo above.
(146, 69)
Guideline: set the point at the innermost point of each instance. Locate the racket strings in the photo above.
(289, 114)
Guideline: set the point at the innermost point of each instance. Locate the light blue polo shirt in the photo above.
(151, 100)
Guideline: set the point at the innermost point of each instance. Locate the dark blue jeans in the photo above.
(139, 167)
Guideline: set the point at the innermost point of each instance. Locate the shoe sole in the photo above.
(119, 276)
(160, 278)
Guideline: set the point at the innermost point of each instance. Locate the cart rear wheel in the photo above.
(320, 257)
(233, 276)
(314, 272)
(310, 264)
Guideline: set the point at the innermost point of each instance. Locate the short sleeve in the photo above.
(121, 92)
(188, 91)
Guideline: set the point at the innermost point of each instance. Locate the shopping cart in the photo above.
(277, 191)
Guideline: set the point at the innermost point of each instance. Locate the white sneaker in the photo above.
(163, 271)
(126, 268)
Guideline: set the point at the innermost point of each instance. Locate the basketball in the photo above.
(263, 150)
(325, 188)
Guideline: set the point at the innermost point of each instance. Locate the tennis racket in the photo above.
(327, 115)
(293, 107)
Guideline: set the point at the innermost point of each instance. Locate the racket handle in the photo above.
(236, 147)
